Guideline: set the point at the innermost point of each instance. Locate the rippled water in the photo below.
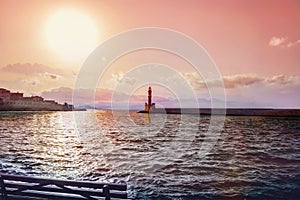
(158, 156)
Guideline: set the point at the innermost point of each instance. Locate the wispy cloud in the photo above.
(33, 77)
(61, 94)
(102, 98)
(275, 91)
(277, 41)
(282, 80)
(282, 42)
(243, 80)
(31, 82)
(117, 77)
(291, 44)
(232, 81)
(30, 69)
(51, 76)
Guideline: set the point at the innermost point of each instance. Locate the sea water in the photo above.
(158, 156)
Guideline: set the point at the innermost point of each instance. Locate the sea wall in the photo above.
(25, 105)
(231, 111)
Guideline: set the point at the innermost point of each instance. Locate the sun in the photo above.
(71, 34)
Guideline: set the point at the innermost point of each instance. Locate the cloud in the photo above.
(282, 42)
(291, 44)
(104, 98)
(245, 80)
(33, 77)
(242, 90)
(61, 94)
(30, 82)
(241, 80)
(83, 96)
(277, 41)
(51, 76)
(30, 69)
(277, 91)
(232, 81)
(117, 77)
(283, 80)
(195, 80)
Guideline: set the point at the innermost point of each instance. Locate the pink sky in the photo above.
(255, 44)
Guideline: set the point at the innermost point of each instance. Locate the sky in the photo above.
(255, 46)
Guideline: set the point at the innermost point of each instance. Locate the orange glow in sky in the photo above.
(255, 44)
(71, 34)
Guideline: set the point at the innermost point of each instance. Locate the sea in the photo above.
(159, 156)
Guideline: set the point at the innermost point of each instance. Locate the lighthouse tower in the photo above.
(149, 105)
(149, 96)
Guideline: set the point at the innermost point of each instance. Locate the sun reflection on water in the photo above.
(254, 155)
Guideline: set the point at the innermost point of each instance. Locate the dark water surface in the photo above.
(157, 156)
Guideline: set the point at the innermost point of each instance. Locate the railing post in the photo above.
(106, 192)
(3, 190)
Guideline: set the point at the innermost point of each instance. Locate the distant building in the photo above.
(4, 94)
(10, 101)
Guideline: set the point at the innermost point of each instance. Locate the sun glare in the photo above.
(71, 34)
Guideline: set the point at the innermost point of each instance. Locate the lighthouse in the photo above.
(149, 104)
(149, 96)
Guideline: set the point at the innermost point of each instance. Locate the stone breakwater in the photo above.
(229, 111)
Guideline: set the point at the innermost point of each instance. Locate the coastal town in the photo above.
(15, 101)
